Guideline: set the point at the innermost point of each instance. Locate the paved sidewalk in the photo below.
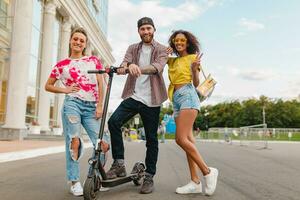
(14, 146)
(17, 150)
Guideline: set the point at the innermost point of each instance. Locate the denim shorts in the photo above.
(185, 98)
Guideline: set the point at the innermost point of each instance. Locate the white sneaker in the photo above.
(190, 188)
(211, 181)
(76, 189)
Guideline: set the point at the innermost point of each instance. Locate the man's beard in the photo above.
(147, 38)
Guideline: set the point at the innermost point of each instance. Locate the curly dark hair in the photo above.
(193, 45)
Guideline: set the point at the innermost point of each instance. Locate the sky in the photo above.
(251, 48)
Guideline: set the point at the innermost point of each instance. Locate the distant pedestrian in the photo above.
(270, 134)
(162, 132)
(198, 131)
(142, 133)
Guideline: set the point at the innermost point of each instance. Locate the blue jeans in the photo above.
(150, 117)
(76, 112)
(185, 98)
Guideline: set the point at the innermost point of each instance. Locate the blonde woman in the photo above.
(82, 104)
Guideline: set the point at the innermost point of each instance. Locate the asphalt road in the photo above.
(245, 173)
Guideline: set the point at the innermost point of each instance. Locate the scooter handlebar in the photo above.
(96, 71)
(106, 70)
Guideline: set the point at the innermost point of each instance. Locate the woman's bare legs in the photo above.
(184, 124)
(192, 165)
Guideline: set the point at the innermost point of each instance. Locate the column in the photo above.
(65, 37)
(46, 64)
(18, 74)
(64, 53)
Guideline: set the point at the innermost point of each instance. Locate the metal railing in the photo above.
(256, 135)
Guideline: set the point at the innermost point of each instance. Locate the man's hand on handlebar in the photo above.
(122, 70)
(134, 70)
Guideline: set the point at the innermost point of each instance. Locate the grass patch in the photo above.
(277, 137)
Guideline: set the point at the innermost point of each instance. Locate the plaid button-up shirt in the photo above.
(159, 58)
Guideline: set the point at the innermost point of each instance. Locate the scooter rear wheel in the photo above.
(90, 189)
(138, 182)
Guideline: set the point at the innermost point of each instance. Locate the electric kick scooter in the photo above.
(96, 176)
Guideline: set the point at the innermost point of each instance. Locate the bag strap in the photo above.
(203, 72)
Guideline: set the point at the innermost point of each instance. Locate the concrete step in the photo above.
(44, 137)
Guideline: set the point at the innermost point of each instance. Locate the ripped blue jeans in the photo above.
(76, 112)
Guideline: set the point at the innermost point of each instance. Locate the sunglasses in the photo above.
(181, 40)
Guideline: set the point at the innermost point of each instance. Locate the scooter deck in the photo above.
(117, 181)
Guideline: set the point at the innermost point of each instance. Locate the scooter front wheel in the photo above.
(90, 189)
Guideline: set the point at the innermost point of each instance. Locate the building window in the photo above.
(5, 24)
(3, 13)
(96, 5)
(35, 63)
(54, 110)
(99, 10)
(3, 89)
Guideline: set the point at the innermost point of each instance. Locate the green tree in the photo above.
(278, 113)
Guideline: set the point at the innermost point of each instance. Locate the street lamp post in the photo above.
(264, 115)
(265, 127)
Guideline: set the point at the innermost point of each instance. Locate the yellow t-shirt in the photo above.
(179, 71)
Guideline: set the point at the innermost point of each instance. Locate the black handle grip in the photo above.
(96, 71)
(106, 70)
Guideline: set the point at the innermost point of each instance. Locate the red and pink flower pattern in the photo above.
(74, 71)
